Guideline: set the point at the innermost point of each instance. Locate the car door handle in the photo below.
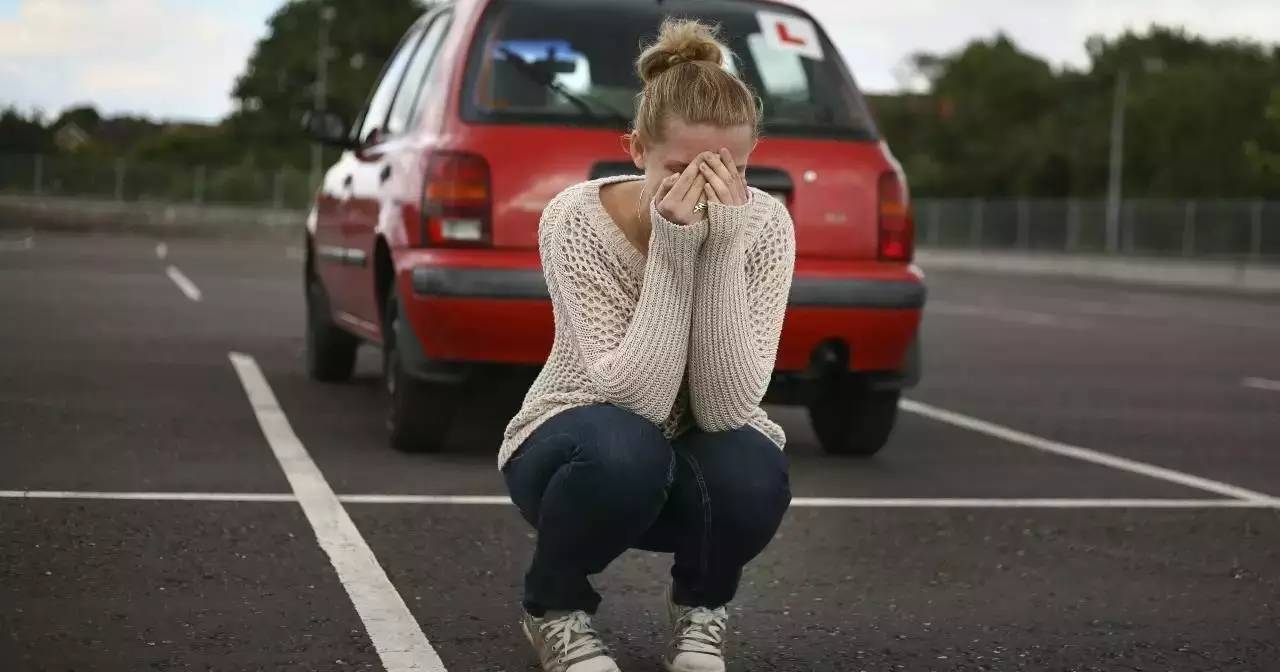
(386, 173)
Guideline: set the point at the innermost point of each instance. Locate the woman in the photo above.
(644, 429)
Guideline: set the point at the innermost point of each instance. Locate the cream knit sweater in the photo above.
(685, 335)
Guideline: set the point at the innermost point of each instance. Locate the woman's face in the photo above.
(684, 142)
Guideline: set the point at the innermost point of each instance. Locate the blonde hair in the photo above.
(684, 77)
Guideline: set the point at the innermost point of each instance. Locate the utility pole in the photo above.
(1117, 162)
(318, 105)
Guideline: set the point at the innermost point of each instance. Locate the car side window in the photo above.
(375, 114)
(419, 68)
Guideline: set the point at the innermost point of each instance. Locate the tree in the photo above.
(277, 85)
(189, 144)
(1263, 152)
(84, 116)
(1192, 108)
(1202, 119)
(986, 127)
(23, 135)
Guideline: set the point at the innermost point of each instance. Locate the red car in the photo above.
(423, 236)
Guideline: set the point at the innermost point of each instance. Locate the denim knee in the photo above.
(628, 455)
(598, 460)
(747, 482)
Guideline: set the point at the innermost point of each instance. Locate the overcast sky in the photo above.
(178, 59)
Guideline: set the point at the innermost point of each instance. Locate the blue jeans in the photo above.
(597, 480)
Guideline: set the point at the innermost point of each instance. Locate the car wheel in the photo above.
(418, 413)
(850, 419)
(331, 352)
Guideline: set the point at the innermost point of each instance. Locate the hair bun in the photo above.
(679, 41)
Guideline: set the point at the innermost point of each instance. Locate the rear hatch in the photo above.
(550, 87)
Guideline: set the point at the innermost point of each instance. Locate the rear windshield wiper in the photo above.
(583, 103)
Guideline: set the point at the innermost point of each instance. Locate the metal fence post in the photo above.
(1126, 225)
(935, 222)
(1189, 230)
(975, 224)
(1024, 224)
(1073, 224)
(1255, 232)
(198, 185)
(37, 179)
(277, 190)
(119, 179)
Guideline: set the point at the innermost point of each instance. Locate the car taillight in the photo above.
(896, 223)
(456, 200)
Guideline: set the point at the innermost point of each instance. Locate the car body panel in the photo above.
(371, 200)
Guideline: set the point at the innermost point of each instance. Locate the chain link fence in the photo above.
(129, 181)
(1207, 229)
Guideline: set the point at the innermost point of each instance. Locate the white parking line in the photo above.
(1025, 503)
(19, 245)
(162, 250)
(1086, 454)
(427, 499)
(184, 283)
(394, 631)
(151, 496)
(1262, 384)
(885, 502)
(798, 502)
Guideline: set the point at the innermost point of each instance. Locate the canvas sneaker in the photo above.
(566, 642)
(697, 638)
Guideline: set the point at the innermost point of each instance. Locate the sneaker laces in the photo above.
(701, 630)
(573, 636)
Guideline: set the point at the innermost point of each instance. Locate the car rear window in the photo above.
(573, 62)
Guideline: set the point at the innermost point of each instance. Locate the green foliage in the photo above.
(277, 85)
(20, 134)
(1263, 150)
(1202, 117)
(190, 145)
(1001, 122)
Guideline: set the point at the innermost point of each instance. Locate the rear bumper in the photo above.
(820, 292)
(493, 307)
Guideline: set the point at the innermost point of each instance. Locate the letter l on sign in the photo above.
(790, 33)
(788, 38)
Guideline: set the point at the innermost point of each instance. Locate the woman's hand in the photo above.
(724, 183)
(678, 195)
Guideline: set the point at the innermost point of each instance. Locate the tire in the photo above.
(850, 419)
(330, 351)
(419, 413)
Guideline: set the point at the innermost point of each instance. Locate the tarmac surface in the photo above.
(1086, 479)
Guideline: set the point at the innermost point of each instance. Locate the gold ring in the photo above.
(702, 205)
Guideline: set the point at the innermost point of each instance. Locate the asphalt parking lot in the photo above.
(1087, 479)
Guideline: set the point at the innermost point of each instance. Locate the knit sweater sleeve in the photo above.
(634, 351)
(743, 279)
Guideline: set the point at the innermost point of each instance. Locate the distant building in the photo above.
(69, 137)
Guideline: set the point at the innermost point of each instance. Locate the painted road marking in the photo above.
(886, 502)
(162, 250)
(151, 496)
(1086, 454)
(484, 500)
(394, 631)
(184, 283)
(800, 502)
(19, 245)
(1262, 384)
